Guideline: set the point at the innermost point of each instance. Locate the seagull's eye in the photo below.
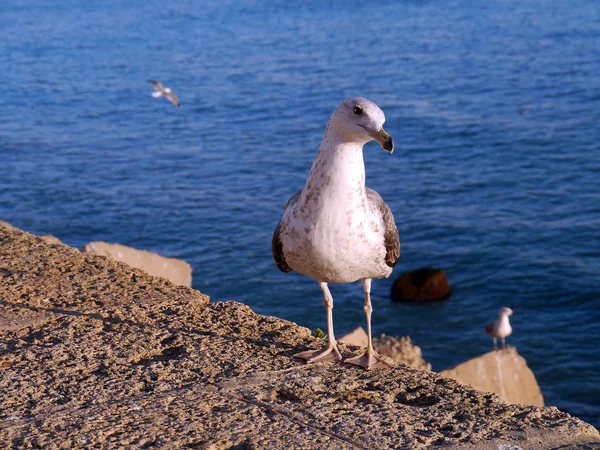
(358, 110)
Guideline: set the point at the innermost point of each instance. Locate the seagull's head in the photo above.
(360, 120)
(506, 311)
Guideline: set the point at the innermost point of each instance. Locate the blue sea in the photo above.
(494, 108)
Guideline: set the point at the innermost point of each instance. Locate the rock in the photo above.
(421, 285)
(401, 350)
(176, 270)
(127, 360)
(48, 238)
(52, 239)
(357, 337)
(7, 225)
(503, 372)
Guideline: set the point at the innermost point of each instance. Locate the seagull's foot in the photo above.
(330, 354)
(370, 360)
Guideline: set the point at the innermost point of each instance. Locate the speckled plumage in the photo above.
(336, 230)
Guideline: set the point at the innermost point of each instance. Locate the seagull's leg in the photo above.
(495, 343)
(369, 359)
(503, 344)
(331, 352)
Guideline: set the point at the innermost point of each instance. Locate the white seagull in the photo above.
(336, 230)
(161, 91)
(500, 328)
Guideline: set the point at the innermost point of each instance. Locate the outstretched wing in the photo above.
(173, 99)
(276, 244)
(157, 85)
(391, 238)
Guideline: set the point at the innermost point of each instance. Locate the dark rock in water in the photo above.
(422, 285)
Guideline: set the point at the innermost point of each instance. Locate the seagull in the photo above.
(500, 328)
(161, 91)
(336, 230)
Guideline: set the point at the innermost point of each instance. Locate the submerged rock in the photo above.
(502, 372)
(421, 285)
(176, 270)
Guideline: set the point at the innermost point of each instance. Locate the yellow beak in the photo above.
(384, 139)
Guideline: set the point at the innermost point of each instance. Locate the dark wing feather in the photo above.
(391, 238)
(276, 245)
(489, 328)
(157, 84)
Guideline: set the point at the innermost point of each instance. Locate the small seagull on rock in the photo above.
(161, 91)
(336, 230)
(500, 328)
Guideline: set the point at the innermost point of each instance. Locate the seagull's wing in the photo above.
(489, 328)
(276, 245)
(173, 99)
(391, 238)
(157, 85)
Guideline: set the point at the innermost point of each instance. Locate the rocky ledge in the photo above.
(95, 354)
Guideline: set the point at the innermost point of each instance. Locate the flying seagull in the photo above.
(336, 230)
(500, 328)
(161, 91)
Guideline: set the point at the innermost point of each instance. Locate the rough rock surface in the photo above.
(104, 356)
(422, 285)
(401, 350)
(503, 372)
(174, 270)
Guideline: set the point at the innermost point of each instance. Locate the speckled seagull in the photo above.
(161, 91)
(500, 328)
(336, 230)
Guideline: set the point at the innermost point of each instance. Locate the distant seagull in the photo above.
(500, 328)
(161, 91)
(336, 230)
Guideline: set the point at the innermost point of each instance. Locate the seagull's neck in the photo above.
(339, 166)
(503, 319)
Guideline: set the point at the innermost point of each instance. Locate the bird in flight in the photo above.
(161, 91)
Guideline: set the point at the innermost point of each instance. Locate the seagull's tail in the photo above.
(156, 94)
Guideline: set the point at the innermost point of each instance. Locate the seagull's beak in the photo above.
(384, 139)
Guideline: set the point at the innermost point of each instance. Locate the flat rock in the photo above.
(125, 360)
(503, 372)
(175, 270)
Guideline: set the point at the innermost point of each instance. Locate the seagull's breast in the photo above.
(503, 328)
(334, 238)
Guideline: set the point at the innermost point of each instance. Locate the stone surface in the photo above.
(421, 285)
(357, 337)
(401, 349)
(175, 270)
(503, 372)
(106, 356)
